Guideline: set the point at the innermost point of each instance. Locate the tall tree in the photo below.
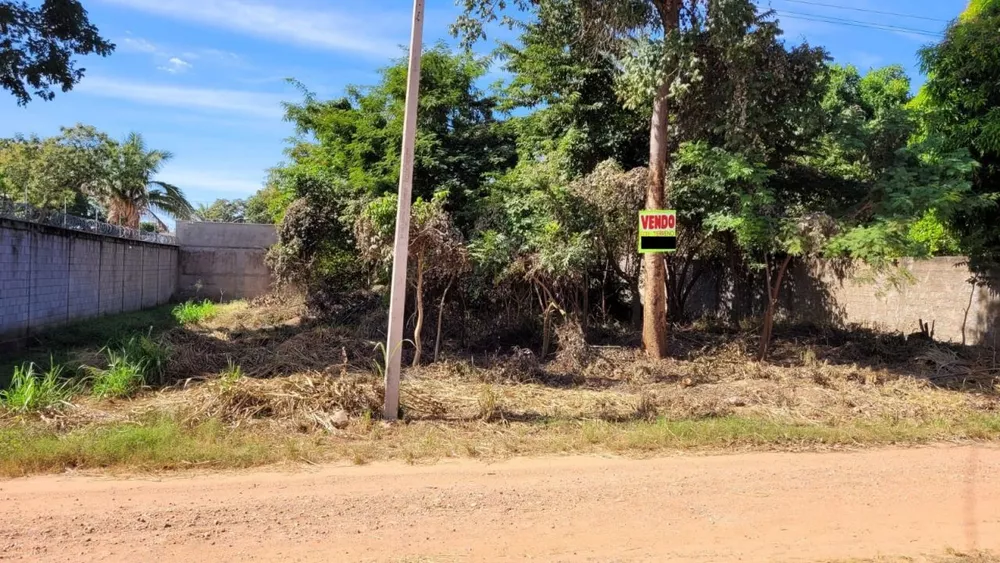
(620, 27)
(53, 172)
(355, 139)
(571, 95)
(961, 102)
(37, 46)
(126, 187)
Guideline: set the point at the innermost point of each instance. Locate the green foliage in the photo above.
(223, 211)
(137, 361)
(126, 189)
(37, 45)
(537, 233)
(574, 106)
(191, 312)
(961, 103)
(350, 146)
(31, 391)
(51, 172)
(267, 206)
(931, 233)
(87, 173)
(315, 247)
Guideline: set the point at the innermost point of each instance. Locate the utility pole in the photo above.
(397, 301)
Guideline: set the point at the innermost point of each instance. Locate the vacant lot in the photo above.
(250, 384)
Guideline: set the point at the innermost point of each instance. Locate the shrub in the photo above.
(30, 391)
(190, 312)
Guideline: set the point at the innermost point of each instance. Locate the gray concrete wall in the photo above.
(939, 292)
(51, 276)
(829, 293)
(223, 261)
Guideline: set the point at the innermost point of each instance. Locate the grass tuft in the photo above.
(131, 365)
(191, 312)
(231, 375)
(30, 391)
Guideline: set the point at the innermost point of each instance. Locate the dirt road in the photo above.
(751, 507)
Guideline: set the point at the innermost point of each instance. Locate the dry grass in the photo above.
(296, 377)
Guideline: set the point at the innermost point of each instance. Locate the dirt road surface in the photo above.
(747, 507)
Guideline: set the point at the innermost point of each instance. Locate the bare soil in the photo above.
(747, 507)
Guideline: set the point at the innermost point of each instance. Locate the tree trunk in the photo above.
(420, 309)
(772, 303)
(546, 332)
(437, 339)
(654, 319)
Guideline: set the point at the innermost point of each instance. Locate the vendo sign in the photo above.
(657, 231)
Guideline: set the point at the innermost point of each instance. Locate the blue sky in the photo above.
(204, 79)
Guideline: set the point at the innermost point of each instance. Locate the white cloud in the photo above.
(256, 104)
(175, 65)
(195, 181)
(137, 45)
(278, 22)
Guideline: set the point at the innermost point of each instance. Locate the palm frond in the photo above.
(170, 199)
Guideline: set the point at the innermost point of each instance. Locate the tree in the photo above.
(655, 23)
(126, 189)
(223, 211)
(661, 50)
(37, 45)
(267, 206)
(616, 196)
(437, 248)
(535, 245)
(571, 95)
(356, 138)
(961, 102)
(52, 173)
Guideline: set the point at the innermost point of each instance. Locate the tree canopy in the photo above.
(38, 45)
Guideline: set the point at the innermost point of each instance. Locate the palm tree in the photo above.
(126, 190)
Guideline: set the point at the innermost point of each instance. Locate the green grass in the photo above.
(160, 442)
(31, 391)
(57, 344)
(131, 365)
(191, 312)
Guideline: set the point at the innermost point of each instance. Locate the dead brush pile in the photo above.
(814, 379)
(299, 373)
(267, 352)
(307, 401)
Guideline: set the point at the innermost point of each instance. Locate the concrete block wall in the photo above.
(112, 277)
(939, 292)
(223, 261)
(51, 276)
(85, 279)
(49, 300)
(15, 281)
(133, 278)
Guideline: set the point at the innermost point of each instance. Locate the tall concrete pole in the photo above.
(394, 346)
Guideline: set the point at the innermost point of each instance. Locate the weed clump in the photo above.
(31, 391)
(191, 312)
(130, 366)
